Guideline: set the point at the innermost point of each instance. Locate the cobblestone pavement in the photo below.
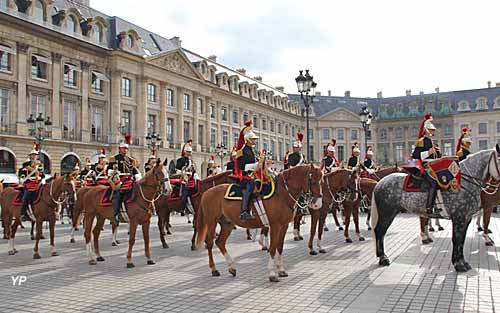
(345, 279)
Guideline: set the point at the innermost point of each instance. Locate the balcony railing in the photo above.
(8, 129)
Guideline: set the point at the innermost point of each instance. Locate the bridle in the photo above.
(158, 186)
(486, 187)
(308, 195)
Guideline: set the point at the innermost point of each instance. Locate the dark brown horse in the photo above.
(45, 209)
(352, 203)
(139, 211)
(279, 210)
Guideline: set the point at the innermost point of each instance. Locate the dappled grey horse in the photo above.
(389, 198)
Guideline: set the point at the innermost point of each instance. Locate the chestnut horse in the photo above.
(44, 210)
(351, 206)
(290, 184)
(139, 210)
(164, 206)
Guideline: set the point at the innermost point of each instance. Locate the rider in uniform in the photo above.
(211, 169)
(245, 164)
(185, 167)
(463, 145)
(425, 151)
(87, 174)
(31, 174)
(150, 163)
(230, 164)
(354, 159)
(296, 157)
(100, 169)
(368, 164)
(330, 162)
(126, 168)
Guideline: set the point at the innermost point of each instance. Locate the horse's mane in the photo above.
(477, 155)
(215, 177)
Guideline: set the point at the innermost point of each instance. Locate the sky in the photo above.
(364, 46)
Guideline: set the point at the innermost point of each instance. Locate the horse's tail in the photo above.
(201, 226)
(374, 215)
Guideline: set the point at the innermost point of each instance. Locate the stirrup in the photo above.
(245, 216)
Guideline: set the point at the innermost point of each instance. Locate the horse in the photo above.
(351, 206)
(389, 198)
(43, 210)
(214, 208)
(164, 205)
(139, 209)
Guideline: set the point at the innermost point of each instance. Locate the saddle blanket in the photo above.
(446, 172)
(233, 192)
(107, 197)
(193, 188)
(415, 184)
(35, 197)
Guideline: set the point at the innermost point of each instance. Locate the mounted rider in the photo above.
(186, 168)
(122, 169)
(150, 163)
(87, 174)
(368, 165)
(211, 169)
(330, 162)
(245, 164)
(296, 157)
(230, 164)
(463, 145)
(354, 159)
(30, 176)
(100, 169)
(424, 152)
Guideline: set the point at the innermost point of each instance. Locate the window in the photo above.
(311, 153)
(70, 75)
(310, 134)
(201, 134)
(464, 126)
(186, 103)
(463, 105)
(286, 130)
(7, 162)
(70, 24)
(126, 91)
(399, 133)
(170, 130)
(281, 153)
(223, 114)
(37, 105)
(264, 124)
(39, 67)
(271, 126)
(98, 33)
(483, 128)
(187, 131)
(354, 134)
(255, 122)
(326, 133)
(170, 98)
(340, 153)
(151, 92)
(213, 136)
(340, 134)
(482, 103)
(97, 122)
(212, 111)
(272, 148)
(225, 138)
(498, 127)
(4, 110)
(448, 130)
(97, 84)
(448, 150)
(39, 11)
(199, 103)
(69, 127)
(151, 123)
(245, 117)
(399, 153)
(383, 134)
(127, 122)
(4, 58)
(235, 117)
(236, 136)
(265, 145)
(483, 144)
(414, 132)
(130, 41)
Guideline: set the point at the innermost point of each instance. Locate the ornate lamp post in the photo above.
(366, 120)
(307, 89)
(39, 128)
(153, 141)
(221, 151)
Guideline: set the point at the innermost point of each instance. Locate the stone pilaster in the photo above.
(22, 97)
(85, 127)
(115, 112)
(196, 141)
(142, 112)
(56, 109)
(218, 118)
(163, 114)
(208, 122)
(179, 136)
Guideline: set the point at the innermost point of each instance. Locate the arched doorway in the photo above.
(8, 166)
(47, 163)
(68, 163)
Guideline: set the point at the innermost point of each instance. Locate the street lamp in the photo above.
(221, 150)
(366, 120)
(39, 128)
(153, 141)
(307, 89)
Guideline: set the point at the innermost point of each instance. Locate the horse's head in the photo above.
(158, 176)
(494, 164)
(312, 186)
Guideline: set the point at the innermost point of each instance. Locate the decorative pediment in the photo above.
(175, 61)
(341, 114)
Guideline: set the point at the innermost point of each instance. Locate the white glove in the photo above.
(251, 167)
(110, 172)
(138, 176)
(371, 171)
(196, 177)
(178, 171)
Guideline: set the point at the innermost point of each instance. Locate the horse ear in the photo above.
(497, 147)
(165, 162)
(55, 175)
(158, 162)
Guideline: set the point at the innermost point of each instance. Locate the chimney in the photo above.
(258, 78)
(242, 71)
(347, 94)
(489, 84)
(176, 40)
(280, 88)
(437, 89)
(408, 92)
(497, 84)
(379, 95)
(213, 58)
(318, 93)
(329, 93)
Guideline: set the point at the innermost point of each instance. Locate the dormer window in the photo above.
(224, 80)
(70, 24)
(39, 11)
(98, 33)
(130, 41)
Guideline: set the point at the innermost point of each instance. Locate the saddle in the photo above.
(445, 171)
(233, 191)
(35, 196)
(107, 197)
(193, 187)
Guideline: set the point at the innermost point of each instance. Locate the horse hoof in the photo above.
(43, 237)
(312, 252)
(441, 228)
(100, 259)
(322, 251)
(326, 229)
(232, 271)
(32, 237)
(479, 228)
(92, 262)
(77, 229)
(215, 273)
(36, 256)
(130, 265)
(282, 274)
(384, 261)
(114, 244)
(341, 228)
(193, 248)
(369, 228)
(361, 239)
(164, 245)
(296, 239)
(489, 243)
(426, 241)
(460, 267)
(467, 266)
(431, 229)
(348, 240)
(273, 279)
(249, 238)
(431, 240)
(488, 231)
(151, 262)
(169, 232)
(117, 242)
(72, 240)
(189, 222)
(54, 254)
(265, 249)
(301, 238)
(12, 252)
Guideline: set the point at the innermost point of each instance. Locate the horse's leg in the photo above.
(193, 239)
(478, 222)
(347, 221)
(161, 227)
(263, 239)
(368, 216)
(167, 224)
(12, 229)
(96, 232)
(322, 219)
(52, 232)
(131, 242)
(355, 218)
(383, 221)
(296, 227)
(114, 231)
(210, 245)
(314, 224)
(38, 236)
(32, 231)
(486, 225)
(87, 225)
(74, 224)
(335, 219)
(275, 231)
(145, 235)
(249, 236)
(458, 239)
(279, 252)
(424, 230)
(225, 232)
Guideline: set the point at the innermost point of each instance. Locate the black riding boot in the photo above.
(431, 200)
(24, 211)
(246, 213)
(117, 202)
